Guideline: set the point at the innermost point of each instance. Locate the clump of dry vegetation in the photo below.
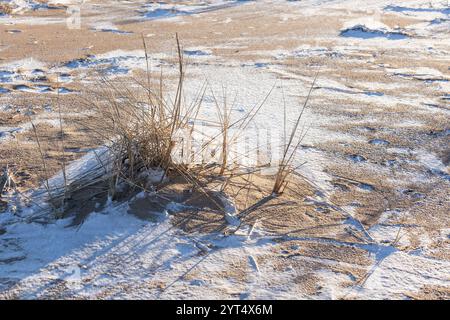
(285, 167)
(146, 134)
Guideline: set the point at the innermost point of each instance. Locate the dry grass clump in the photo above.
(147, 135)
(142, 129)
(285, 166)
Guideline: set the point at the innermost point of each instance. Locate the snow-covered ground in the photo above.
(377, 146)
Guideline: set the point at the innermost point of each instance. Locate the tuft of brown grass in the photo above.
(143, 130)
(285, 167)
